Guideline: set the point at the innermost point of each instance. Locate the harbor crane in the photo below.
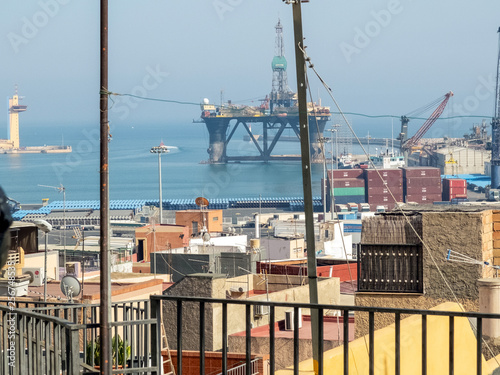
(407, 144)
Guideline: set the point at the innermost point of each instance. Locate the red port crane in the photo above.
(406, 145)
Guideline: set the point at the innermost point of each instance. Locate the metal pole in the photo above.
(64, 223)
(324, 188)
(306, 175)
(161, 199)
(337, 148)
(105, 287)
(83, 260)
(45, 269)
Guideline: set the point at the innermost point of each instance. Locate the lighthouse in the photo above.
(14, 109)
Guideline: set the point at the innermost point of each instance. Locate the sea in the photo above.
(133, 169)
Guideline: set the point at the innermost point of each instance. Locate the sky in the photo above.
(379, 57)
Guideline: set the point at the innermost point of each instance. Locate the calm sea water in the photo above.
(134, 170)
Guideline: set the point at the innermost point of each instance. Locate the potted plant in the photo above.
(120, 351)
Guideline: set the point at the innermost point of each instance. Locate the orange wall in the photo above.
(213, 220)
(164, 237)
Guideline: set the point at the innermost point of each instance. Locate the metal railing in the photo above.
(34, 343)
(45, 339)
(475, 319)
(61, 338)
(242, 369)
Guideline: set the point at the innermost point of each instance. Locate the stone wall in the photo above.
(468, 233)
(189, 287)
(217, 286)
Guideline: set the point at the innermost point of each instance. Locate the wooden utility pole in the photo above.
(306, 178)
(105, 287)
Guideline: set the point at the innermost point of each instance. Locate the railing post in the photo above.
(156, 358)
(346, 341)
(179, 337)
(72, 350)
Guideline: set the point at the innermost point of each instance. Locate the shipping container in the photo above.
(415, 190)
(423, 181)
(454, 182)
(339, 207)
(384, 198)
(385, 173)
(339, 192)
(374, 190)
(347, 216)
(409, 172)
(384, 177)
(425, 198)
(345, 173)
(350, 199)
(452, 192)
(353, 206)
(348, 182)
(391, 182)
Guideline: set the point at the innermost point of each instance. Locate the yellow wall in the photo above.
(411, 344)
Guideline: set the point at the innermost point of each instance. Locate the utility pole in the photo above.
(495, 131)
(306, 175)
(105, 287)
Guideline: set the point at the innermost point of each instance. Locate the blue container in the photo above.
(350, 199)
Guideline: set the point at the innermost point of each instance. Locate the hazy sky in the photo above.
(380, 57)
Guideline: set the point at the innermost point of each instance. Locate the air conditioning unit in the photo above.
(73, 268)
(260, 310)
(36, 275)
(289, 320)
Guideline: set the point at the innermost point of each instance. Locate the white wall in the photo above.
(335, 247)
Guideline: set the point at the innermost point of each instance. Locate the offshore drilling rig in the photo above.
(278, 112)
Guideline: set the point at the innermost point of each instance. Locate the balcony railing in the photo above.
(45, 339)
(475, 319)
(48, 338)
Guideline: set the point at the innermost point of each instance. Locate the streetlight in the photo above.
(45, 227)
(324, 140)
(161, 149)
(63, 190)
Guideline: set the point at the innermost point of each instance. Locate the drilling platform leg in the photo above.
(315, 135)
(217, 129)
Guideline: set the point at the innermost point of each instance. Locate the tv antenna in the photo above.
(455, 256)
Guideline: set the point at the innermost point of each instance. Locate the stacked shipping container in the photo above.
(383, 187)
(348, 186)
(422, 184)
(454, 188)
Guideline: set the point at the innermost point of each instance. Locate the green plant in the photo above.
(118, 346)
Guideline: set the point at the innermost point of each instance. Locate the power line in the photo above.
(110, 93)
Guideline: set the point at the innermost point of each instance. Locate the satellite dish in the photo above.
(206, 237)
(70, 286)
(201, 202)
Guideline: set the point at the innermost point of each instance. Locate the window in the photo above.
(390, 268)
(215, 218)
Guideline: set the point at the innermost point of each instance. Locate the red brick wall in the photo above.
(338, 270)
(213, 362)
